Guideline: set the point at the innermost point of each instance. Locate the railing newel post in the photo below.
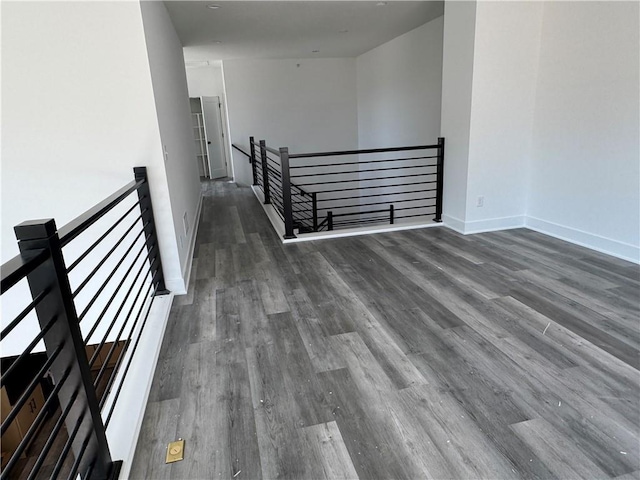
(252, 160)
(72, 360)
(146, 208)
(330, 220)
(391, 214)
(439, 180)
(265, 172)
(286, 193)
(314, 208)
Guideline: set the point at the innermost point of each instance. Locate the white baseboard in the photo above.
(124, 428)
(480, 226)
(186, 271)
(453, 223)
(352, 232)
(179, 285)
(274, 218)
(585, 239)
(494, 224)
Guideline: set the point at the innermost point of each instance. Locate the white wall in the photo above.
(78, 110)
(205, 81)
(169, 81)
(457, 77)
(505, 62)
(310, 107)
(585, 180)
(399, 88)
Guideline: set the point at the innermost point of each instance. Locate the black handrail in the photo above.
(81, 397)
(241, 151)
(20, 266)
(363, 151)
(79, 224)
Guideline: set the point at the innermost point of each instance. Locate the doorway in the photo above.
(209, 137)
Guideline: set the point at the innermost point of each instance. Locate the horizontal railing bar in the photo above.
(24, 313)
(416, 215)
(277, 162)
(330, 182)
(97, 242)
(414, 208)
(348, 214)
(131, 355)
(374, 186)
(361, 222)
(360, 162)
(272, 150)
(96, 353)
(91, 467)
(120, 359)
(358, 152)
(108, 279)
(79, 456)
(124, 325)
(20, 266)
(34, 426)
(7, 373)
(375, 195)
(67, 446)
(79, 224)
(106, 257)
(240, 150)
(113, 296)
(302, 217)
(275, 175)
(380, 203)
(52, 436)
(15, 409)
(364, 171)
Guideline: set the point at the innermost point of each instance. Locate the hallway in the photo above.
(415, 354)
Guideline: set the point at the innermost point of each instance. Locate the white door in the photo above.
(213, 130)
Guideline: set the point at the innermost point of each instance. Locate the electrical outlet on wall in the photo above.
(480, 202)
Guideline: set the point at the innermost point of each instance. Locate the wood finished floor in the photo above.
(415, 354)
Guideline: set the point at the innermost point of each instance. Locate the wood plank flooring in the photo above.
(415, 354)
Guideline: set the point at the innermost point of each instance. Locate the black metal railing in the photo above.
(90, 315)
(359, 187)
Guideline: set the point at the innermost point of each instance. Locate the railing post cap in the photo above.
(140, 172)
(35, 229)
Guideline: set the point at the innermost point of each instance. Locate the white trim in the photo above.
(494, 224)
(126, 421)
(272, 215)
(186, 271)
(453, 223)
(585, 239)
(578, 237)
(480, 226)
(352, 232)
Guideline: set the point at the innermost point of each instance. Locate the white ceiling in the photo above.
(293, 29)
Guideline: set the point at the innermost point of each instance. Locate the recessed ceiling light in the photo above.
(381, 4)
(213, 6)
(217, 42)
(315, 51)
